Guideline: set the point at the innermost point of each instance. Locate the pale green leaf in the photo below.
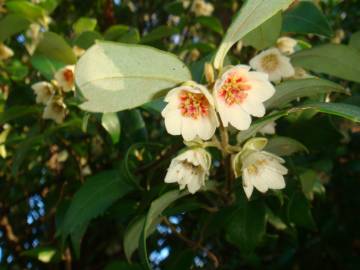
(266, 34)
(84, 24)
(43, 254)
(293, 89)
(337, 60)
(252, 14)
(111, 123)
(114, 77)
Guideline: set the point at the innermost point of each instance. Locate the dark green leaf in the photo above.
(293, 89)
(158, 33)
(12, 24)
(46, 66)
(246, 226)
(43, 254)
(299, 211)
(86, 39)
(306, 18)
(212, 23)
(355, 41)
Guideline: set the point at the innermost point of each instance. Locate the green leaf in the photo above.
(246, 226)
(347, 111)
(284, 146)
(293, 89)
(266, 34)
(46, 66)
(125, 76)
(111, 123)
(49, 5)
(337, 60)
(152, 219)
(43, 254)
(84, 24)
(122, 33)
(299, 212)
(212, 23)
(121, 265)
(15, 112)
(26, 9)
(306, 18)
(252, 14)
(56, 48)
(355, 41)
(12, 24)
(86, 39)
(97, 194)
(158, 33)
(174, 7)
(132, 237)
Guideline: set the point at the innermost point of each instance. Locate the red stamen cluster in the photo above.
(68, 76)
(193, 105)
(234, 89)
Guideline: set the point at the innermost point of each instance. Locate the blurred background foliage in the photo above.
(71, 193)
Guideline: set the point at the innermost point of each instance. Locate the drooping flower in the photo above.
(240, 93)
(55, 109)
(275, 64)
(190, 169)
(190, 112)
(43, 91)
(286, 45)
(202, 8)
(262, 170)
(65, 78)
(5, 52)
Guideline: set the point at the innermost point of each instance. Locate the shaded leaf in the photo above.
(12, 24)
(306, 18)
(110, 121)
(299, 211)
(284, 146)
(158, 33)
(212, 23)
(336, 60)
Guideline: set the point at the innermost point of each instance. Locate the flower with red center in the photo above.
(240, 93)
(65, 78)
(190, 112)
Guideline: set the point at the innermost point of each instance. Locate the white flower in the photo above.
(43, 91)
(190, 169)
(286, 45)
(263, 171)
(240, 93)
(269, 128)
(65, 78)
(201, 8)
(55, 109)
(5, 52)
(34, 34)
(190, 112)
(272, 62)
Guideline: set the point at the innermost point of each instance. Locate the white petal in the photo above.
(247, 185)
(259, 182)
(188, 128)
(253, 108)
(173, 121)
(238, 118)
(273, 179)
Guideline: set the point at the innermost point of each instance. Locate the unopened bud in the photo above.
(209, 73)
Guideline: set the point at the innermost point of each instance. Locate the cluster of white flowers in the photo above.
(51, 94)
(239, 93)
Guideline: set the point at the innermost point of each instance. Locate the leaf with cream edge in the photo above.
(252, 14)
(114, 77)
